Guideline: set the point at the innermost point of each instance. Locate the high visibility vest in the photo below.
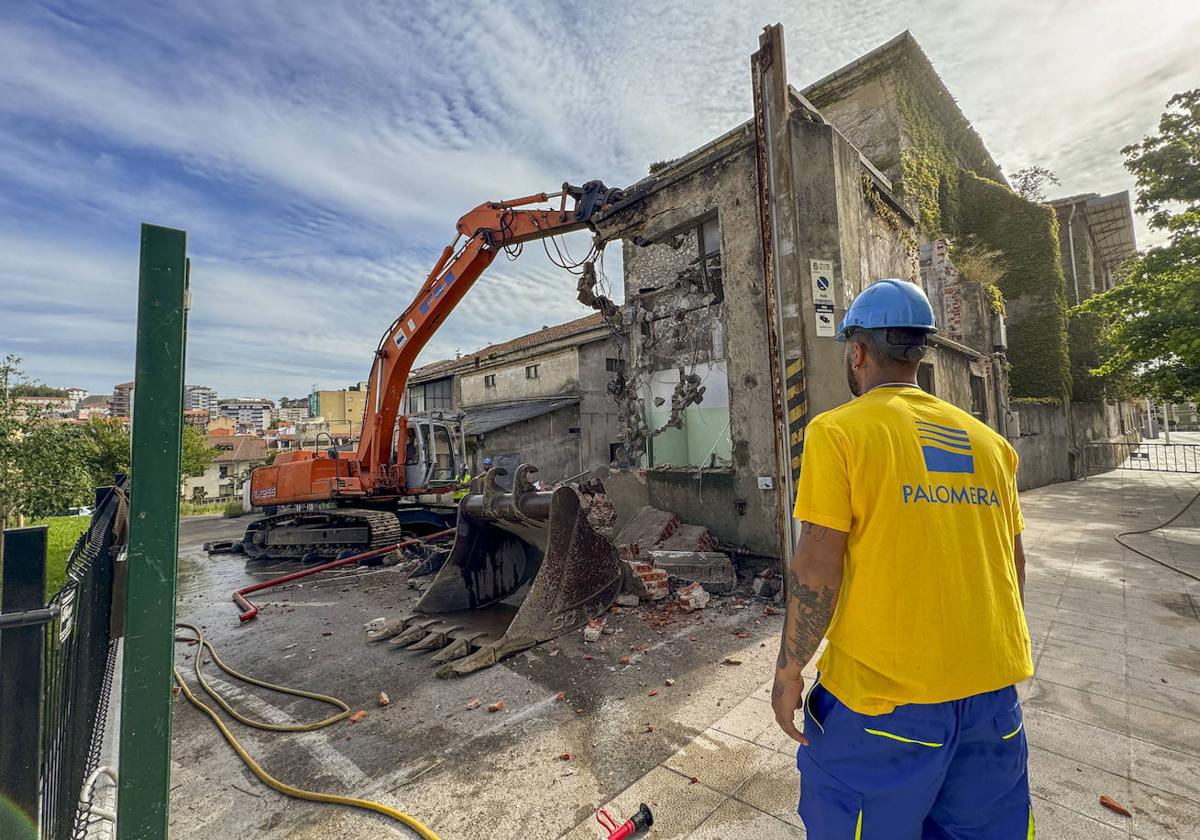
(464, 487)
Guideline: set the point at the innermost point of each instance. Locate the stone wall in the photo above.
(547, 442)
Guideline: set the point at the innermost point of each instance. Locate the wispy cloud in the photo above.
(319, 154)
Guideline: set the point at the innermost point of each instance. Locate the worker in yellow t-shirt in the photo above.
(910, 563)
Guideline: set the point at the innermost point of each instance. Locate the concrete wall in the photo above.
(546, 442)
(674, 322)
(557, 373)
(1053, 450)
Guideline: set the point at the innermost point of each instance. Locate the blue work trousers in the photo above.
(936, 771)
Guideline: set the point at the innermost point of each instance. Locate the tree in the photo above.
(1030, 182)
(13, 425)
(197, 454)
(54, 464)
(111, 457)
(1153, 316)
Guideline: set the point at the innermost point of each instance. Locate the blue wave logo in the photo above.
(946, 449)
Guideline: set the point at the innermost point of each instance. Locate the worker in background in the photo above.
(909, 562)
(464, 483)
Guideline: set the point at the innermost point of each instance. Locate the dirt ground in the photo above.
(465, 772)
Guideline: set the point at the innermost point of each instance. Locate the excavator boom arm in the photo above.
(487, 229)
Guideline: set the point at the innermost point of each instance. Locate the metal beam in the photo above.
(145, 764)
(23, 573)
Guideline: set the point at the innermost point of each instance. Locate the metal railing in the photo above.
(55, 668)
(1148, 457)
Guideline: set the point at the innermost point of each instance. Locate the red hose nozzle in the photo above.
(636, 824)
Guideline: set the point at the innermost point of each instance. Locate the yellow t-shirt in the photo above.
(929, 609)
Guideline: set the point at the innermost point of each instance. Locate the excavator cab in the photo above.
(433, 452)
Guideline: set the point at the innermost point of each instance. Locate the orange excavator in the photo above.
(525, 565)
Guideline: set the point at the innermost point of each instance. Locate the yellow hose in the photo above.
(263, 775)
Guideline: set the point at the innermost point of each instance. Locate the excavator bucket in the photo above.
(526, 567)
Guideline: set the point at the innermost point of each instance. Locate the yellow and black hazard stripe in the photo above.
(797, 413)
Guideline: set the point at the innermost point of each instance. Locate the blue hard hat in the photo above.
(889, 303)
(487, 462)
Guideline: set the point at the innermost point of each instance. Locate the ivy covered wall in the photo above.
(1026, 236)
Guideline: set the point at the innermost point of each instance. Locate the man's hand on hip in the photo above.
(787, 695)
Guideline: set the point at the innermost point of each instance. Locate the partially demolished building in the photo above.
(741, 257)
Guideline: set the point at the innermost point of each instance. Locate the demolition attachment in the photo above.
(526, 567)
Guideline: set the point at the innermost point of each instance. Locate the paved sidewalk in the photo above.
(1113, 709)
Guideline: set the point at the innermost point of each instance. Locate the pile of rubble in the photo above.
(660, 553)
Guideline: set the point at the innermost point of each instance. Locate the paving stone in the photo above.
(1153, 671)
(1159, 814)
(1110, 661)
(1073, 675)
(737, 819)
(1077, 740)
(1097, 710)
(1088, 637)
(679, 806)
(1077, 786)
(1055, 822)
(722, 762)
(1166, 769)
(747, 719)
(775, 790)
(1167, 730)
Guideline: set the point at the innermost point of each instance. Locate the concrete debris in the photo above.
(593, 629)
(474, 703)
(601, 514)
(586, 289)
(646, 528)
(627, 599)
(668, 682)
(687, 392)
(689, 538)
(711, 569)
(693, 597)
(383, 699)
(767, 587)
(645, 581)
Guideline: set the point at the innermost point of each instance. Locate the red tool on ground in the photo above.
(639, 822)
(251, 611)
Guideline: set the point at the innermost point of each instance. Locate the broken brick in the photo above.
(1115, 806)
(561, 696)
(497, 706)
(729, 660)
(591, 633)
(474, 703)
(565, 756)
(357, 716)
(383, 699)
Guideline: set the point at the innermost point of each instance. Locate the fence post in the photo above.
(23, 569)
(145, 758)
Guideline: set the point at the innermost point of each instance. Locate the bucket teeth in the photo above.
(436, 639)
(386, 630)
(455, 650)
(412, 634)
(485, 657)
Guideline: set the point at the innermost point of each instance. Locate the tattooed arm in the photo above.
(814, 578)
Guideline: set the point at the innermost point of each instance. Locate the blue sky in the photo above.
(318, 154)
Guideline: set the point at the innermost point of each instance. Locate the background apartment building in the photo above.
(250, 416)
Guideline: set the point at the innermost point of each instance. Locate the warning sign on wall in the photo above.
(822, 280)
(822, 284)
(825, 325)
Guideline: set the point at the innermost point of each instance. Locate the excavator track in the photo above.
(314, 535)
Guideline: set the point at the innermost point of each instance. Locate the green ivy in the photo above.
(927, 165)
(1026, 236)
(1034, 401)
